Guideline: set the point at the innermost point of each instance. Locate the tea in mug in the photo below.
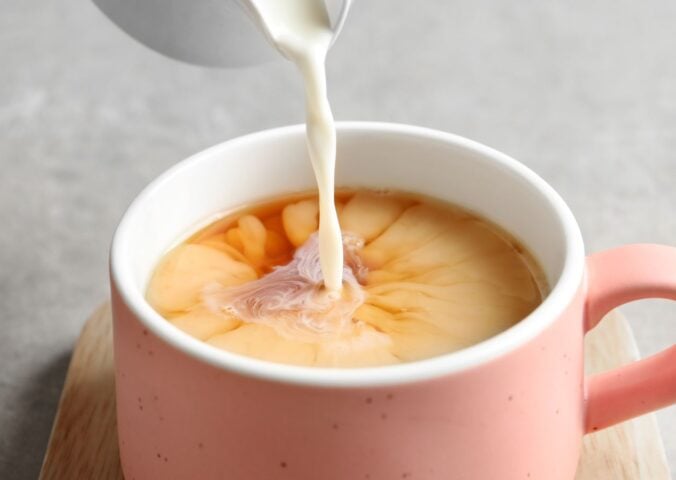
(421, 278)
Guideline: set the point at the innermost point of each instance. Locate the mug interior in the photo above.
(372, 155)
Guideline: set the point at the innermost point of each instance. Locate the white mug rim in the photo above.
(559, 298)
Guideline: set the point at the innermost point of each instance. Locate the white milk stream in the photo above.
(301, 30)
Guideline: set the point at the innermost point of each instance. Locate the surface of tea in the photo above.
(421, 278)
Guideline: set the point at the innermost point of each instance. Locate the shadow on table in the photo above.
(32, 421)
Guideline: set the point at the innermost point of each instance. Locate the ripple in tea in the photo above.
(421, 278)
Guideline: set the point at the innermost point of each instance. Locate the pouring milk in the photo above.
(301, 31)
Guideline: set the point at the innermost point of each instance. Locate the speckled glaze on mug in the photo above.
(512, 407)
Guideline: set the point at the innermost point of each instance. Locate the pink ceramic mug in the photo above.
(512, 407)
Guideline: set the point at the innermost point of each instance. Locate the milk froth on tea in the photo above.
(421, 278)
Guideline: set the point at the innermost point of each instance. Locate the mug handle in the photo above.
(615, 277)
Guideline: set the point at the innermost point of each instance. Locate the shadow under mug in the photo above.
(512, 407)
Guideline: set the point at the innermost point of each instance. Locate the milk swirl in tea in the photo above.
(422, 278)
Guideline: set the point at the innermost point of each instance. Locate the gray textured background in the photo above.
(582, 92)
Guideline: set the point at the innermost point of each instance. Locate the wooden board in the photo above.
(83, 444)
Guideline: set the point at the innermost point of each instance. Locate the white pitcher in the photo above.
(216, 33)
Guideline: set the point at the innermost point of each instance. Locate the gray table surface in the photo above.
(582, 92)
